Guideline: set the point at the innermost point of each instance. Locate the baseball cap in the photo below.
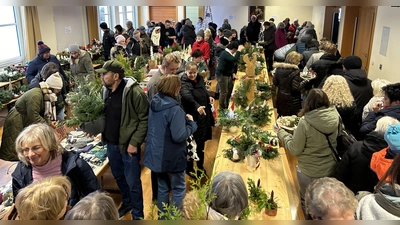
(111, 65)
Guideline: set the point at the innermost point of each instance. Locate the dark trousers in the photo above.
(225, 91)
(126, 171)
(269, 58)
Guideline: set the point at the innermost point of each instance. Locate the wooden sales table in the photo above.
(275, 174)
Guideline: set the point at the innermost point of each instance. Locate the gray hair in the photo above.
(231, 196)
(383, 124)
(377, 86)
(129, 23)
(95, 206)
(327, 193)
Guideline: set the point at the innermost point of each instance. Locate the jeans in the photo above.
(303, 181)
(178, 186)
(126, 171)
(60, 114)
(226, 87)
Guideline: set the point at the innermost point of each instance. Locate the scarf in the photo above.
(50, 112)
(155, 37)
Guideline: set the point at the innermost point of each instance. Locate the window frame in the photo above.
(114, 17)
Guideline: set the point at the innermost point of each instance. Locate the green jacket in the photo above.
(28, 109)
(135, 111)
(200, 66)
(227, 63)
(315, 158)
(82, 66)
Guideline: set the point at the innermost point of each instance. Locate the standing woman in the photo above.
(280, 36)
(165, 151)
(287, 79)
(196, 101)
(155, 38)
(309, 143)
(81, 63)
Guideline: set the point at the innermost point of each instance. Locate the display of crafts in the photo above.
(288, 122)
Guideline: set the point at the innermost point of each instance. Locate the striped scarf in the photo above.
(50, 99)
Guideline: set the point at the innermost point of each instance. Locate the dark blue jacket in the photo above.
(168, 129)
(369, 123)
(37, 64)
(83, 180)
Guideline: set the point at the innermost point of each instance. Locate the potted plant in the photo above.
(230, 119)
(256, 191)
(271, 207)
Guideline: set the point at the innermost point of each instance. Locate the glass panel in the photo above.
(121, 19)
(129, 16)
(11, 49)
(103, 9)
(7, 15)
(129, 9)
(120, 8)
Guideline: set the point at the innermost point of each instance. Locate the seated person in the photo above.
(329, 199)
(41, 156)
(45, 199)
(95, 206)
(384, 203)
(389, 106)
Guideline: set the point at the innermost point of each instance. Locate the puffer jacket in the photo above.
(194, 95)
(165, 149)
(36, 65)
(353, 170)
(287, 79)
(82, 66)
(28, 109)
(314, 156)
(83, 180)
(189, 35)
(321, 66)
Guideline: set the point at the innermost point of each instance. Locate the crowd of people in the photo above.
(177, 105)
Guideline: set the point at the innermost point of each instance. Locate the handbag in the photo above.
(344, 139)
(191, 149)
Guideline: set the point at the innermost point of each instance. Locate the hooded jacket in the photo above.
(321, 66)
(353, 170)
(188, 34)
(36, 65)
(82, 66)
(165, 149)
(314, 156)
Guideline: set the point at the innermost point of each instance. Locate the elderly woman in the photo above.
(95, 206)
(312, 140)
(165, 151)
(280, 35)
(353, 170)
(37, 105)
(196, 102)
(41, 156)
(81, 63)
(377, 86)
(45, 199)
(139, 45)
(328, 199)
(119, 48)
(287, 79)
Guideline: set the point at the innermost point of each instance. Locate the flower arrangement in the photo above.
(229, 118)
(263, 91)
(259, 115)
(249, 49)
(134, 66)
(240, 94)
(259, 197)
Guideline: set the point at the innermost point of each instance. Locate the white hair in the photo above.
(383, 124)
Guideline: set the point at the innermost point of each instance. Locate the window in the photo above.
(114, 15)
(10, 27)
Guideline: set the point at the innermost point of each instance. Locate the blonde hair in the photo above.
(171, 58)
(338, 91)
(383, 124)
(293, 58)
(169, 85)
(191, 65)
(377, 86)
(43, 199)
(207, 33)
(330, 48)
(38, 132)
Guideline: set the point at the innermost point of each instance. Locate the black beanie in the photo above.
(352, 62)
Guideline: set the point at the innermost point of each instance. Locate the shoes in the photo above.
(123, 210)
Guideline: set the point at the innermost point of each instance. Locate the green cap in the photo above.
(111, 65)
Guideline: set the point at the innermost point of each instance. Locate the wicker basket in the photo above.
(62, 131)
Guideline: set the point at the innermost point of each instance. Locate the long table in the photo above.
(276, 174)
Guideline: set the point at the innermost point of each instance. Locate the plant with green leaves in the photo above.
(259, 115)
(240, 94)
(132, 67)
(230, 119)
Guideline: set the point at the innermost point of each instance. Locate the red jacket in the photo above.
(292, 29)
(379, 164)
(204, 47)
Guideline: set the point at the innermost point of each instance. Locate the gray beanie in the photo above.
(201, 33)
(73, 48)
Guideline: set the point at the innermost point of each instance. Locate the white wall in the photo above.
(237, 15)
(388, 17)
(318, 18)
(279, 13)
(47, 27)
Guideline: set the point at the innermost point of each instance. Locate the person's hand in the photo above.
(211, 100)
(53, 124)
(235, 76)
(201, 110)
(241, 47)
(377, 106)
(131, 150)
(276, 127)
(190, 117)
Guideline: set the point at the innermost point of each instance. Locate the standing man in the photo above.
(169, 34)
(269, 40)
(253, 30)
(126, 112)
(199, 24)
(108, 40)
(129, 28)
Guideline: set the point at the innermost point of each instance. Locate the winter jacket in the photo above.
(135, 110)
(243, 36)
(314, 156)
(353, 170)
(79, 172)
(307, 54)
(36, 65)
(349, 118)
(189, 36)
(194, 95)
(287, 79)
(269, 38)
(321, 66)
(314, 57)
(108, 42)
(227, 63)
(280, 38)
(118, 50)
(151, 85)
(368, 107)
(142, 49)
(221, 46)
(380, 162)
(165, 149)
(28, 109)
(253, 29)
(292, 28)
(200, 66)
(383, 205)
(360, 87)
(82, 66)
(204, 47)
(369, 123)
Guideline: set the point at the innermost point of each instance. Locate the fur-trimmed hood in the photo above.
(285, 65)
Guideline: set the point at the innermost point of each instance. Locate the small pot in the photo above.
(94, 127)
(233, 129)
(271, 212)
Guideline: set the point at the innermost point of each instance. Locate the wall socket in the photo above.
(380, 66)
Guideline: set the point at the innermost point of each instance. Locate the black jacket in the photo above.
(321, 66)
(369, 123)
(83, 180)
(353, 170)
(253, 30)
(349, 118)
(189, 35)
(269, 38)
(108, 42)
(307, 54)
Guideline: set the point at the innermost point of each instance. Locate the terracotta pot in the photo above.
(233, 129)
(271, 212)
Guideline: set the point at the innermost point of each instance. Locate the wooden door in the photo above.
(162, 13)
(364, 34)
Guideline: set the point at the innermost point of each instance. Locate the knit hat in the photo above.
(119, 39)
(55, 81)
(227, 33)
(392, 137)
(201, 33)
(352, 62)
(111, 65)
(73, 48)
(142, 28)
(42, 48)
